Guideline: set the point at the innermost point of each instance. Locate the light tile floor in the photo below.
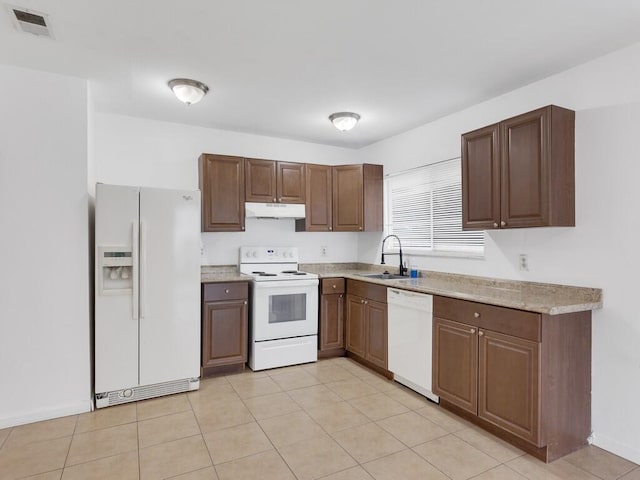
(332, 419)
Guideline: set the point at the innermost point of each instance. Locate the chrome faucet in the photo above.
(402, 269)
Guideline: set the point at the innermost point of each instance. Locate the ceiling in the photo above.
(280, 67)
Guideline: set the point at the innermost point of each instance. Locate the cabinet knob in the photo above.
(476, 314)
(245, 302)
(495, 224)
(226, 290)
(366, 302)
(334, 286)
(480, 333)
(473, 330)
(361, 301)
(274, 199)
(330, 228)
(280, 199)
(359, 228)
(340, 295)
(242, 228)
(503, 223)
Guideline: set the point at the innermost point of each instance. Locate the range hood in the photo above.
(274, 210)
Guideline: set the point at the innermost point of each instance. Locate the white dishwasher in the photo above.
(410, 318)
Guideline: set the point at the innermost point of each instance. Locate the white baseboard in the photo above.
(617, 448)
(45, 414)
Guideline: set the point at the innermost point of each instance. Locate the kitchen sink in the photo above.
(384, 276)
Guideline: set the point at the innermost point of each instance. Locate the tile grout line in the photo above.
(486, 453)
(6, 438)
(73, 434)
(203, 440)
(138, 443)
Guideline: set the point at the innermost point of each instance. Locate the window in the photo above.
(423, 206)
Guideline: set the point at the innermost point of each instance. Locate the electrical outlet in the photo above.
(323, 251)
(524, 262)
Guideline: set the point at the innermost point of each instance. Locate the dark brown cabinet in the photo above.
(268, 181)
(331, 331)
(455, 363)
(355, 325)
(221, 180)
(520, 172)
(224, 325)
(508, 380)
(366, 322)
(357, 198)
(524, 376)
(319, 201)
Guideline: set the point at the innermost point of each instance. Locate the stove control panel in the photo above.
(268, 255)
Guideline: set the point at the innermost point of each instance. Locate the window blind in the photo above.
(424, 208)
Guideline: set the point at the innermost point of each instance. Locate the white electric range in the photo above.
(284, 308)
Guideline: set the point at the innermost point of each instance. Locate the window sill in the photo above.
(417, 252)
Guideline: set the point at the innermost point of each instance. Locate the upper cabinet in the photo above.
(357, 198)
(221, 180)
(344, 198)
(268, 181)
(520, 172)
(319, 202)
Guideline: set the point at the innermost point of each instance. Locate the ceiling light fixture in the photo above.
(188, 91)
(344, 121)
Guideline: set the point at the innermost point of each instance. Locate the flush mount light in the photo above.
(344, 121)
(188, 91)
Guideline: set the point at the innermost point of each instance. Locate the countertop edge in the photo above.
(492, 295)
(497, 300)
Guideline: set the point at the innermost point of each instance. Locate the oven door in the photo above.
(283, 309)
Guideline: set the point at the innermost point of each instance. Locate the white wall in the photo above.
(601, 251)
(135, 151)
(44, 293)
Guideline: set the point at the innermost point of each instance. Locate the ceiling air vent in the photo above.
(30, 21)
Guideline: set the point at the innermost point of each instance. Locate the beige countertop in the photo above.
(221, 273)
(531, 296)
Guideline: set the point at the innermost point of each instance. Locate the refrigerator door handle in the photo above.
(135, 271)
(143, 265)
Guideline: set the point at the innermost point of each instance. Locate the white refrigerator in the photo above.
(147, 293)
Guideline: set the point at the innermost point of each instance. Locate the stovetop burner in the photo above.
(294, 272)
(265, 274)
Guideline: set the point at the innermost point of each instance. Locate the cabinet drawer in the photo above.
(332, 285)
(213, 292)
(367, 290)
(498, 319)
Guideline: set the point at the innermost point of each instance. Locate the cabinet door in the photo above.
(525, 169)
(260, 180)
(347, 198)
(373, 198)
(481, 179)
(290, 182)
(376, 333)
(224, 332)
(355, 327)
(455, 363)
(331, 321)
(509, 384)
(222, 186)
(318, 200)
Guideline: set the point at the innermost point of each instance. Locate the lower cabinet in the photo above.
(455, 363)
(509, 384)
(524, 376)
(224, 325)
(331, 331)
(366, 322)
